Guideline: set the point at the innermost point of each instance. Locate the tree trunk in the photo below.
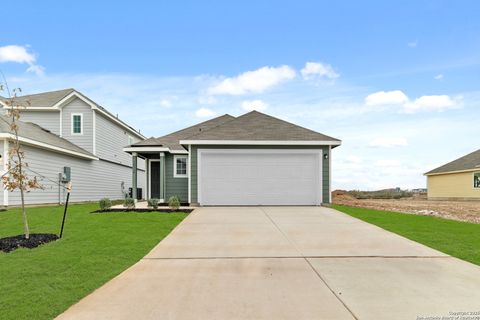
(24, 213)
(22, 191)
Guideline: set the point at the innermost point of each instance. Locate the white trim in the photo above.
(81, 124)
(6, 158)
(450, 172)
(94, 133)
(330, 174)
(154, 150)
(47, 146)
(146, 149)
(263, 142)
(318, 152)
(175, 174)
(61, 123)
(189, 165)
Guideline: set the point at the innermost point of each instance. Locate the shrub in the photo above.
(129, 203)
(174, 202)
(153, 203)
(105, 204)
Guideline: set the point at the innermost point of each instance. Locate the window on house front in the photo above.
(77, 125)
(476, 180)
(180, 166)
(130, 140)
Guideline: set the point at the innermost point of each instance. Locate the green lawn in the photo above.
(458, 239)
(40, 283)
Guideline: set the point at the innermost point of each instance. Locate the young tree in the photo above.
(16, 177)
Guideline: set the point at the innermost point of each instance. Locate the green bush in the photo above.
(105, 204)
(174, 202)
(153, 203)
(129, 203)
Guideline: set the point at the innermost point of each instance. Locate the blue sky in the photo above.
(397, 81)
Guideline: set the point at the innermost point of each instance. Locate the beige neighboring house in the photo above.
(456, 180)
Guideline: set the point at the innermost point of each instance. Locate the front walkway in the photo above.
(284, 263)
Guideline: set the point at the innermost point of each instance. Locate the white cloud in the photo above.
(205, 113)
(250, 105)
(166, 103)
(384, 142)
(438, 77)
(20, 54)
(256, 81)
(318, 69)
(432, 103)
(413, 44)
(384, 98)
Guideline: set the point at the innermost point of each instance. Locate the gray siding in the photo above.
(84, 140)
(174, 186)
(91, 179)
(110, 139)
(325, 166)
(49, 120)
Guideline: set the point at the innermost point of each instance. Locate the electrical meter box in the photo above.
(67, 174)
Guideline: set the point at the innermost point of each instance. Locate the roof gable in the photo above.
(257, 126)
(55, 100)
(469, 162)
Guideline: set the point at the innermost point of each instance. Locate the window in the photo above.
(77, 124)
(180, 166)
(476, 180)
(130, 140)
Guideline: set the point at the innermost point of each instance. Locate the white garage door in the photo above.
(259, 177)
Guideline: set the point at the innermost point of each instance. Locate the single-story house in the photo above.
(456, 180)
(67, 137)
(253, 159)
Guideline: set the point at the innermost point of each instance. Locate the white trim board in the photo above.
(175, 174)
(72, 115)
(317, 152)
(154, 150)
(263, 142)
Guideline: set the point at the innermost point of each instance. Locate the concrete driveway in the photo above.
(285, 263)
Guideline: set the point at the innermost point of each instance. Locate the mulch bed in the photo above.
(144, 210)
(12, 243)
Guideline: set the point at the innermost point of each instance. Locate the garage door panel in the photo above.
(273, 177)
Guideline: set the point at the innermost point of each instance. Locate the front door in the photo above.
(155, 179)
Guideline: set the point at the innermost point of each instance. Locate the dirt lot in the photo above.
(456, 210)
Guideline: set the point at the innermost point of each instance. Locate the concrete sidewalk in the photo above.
(284, 263)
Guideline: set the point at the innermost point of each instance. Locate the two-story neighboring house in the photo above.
(68, 137)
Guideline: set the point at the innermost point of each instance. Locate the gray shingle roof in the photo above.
(44, 99)
(259, 126)
(469, 162)
(172, 140)
(35, 132)
(250, 126)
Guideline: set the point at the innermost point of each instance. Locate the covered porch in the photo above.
(167, 173)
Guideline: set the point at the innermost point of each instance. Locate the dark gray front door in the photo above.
(155, 180)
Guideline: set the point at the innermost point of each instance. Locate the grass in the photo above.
(458, 239)
(41, 283)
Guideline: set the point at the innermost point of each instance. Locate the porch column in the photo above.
(134, 175)
(163, 184)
